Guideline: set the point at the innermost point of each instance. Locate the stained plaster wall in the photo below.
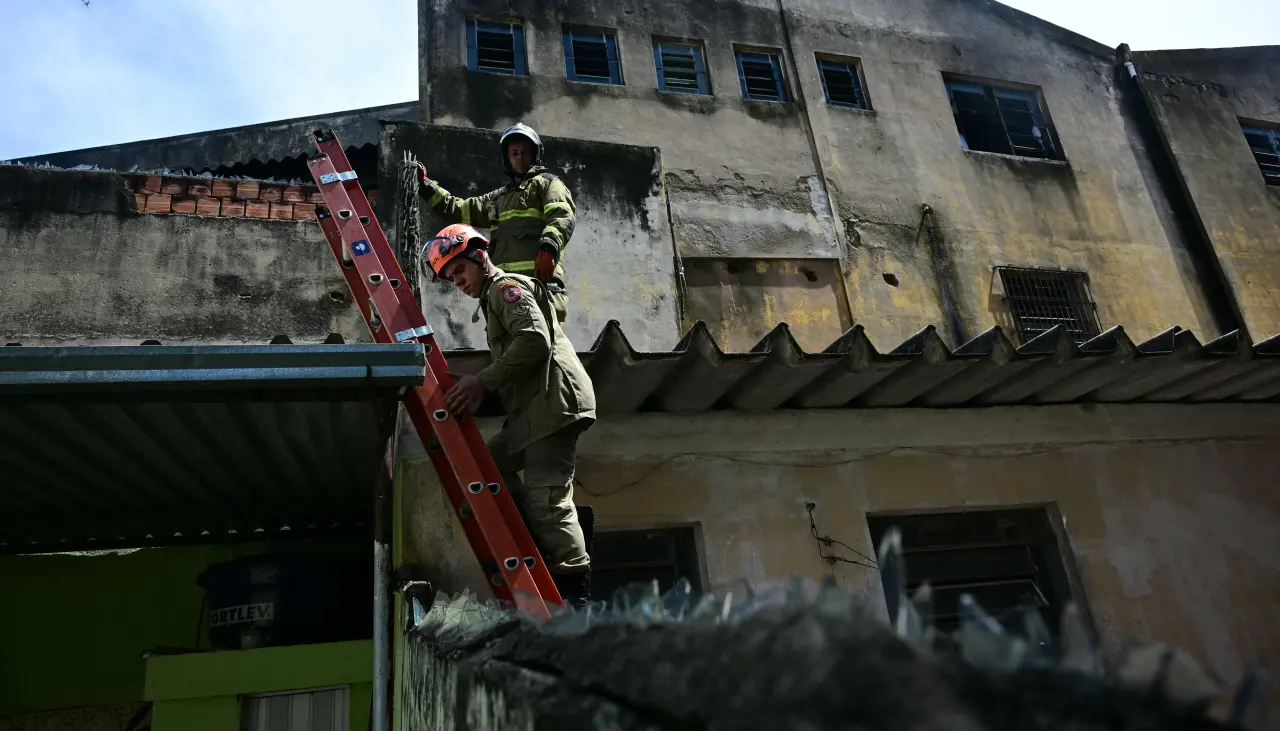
(79, 266)
(1199, 98)
(1168, 513)
(740, 174)
(734, 167)
(619, 263)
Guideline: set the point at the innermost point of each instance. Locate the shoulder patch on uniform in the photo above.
(510, 292)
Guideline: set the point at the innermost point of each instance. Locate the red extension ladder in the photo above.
(489, 516)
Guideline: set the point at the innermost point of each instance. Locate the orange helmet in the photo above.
(451, 242)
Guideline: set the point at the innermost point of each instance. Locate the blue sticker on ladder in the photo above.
(361, 247)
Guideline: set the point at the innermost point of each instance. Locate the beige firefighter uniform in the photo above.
(549, 401)
(519, 217)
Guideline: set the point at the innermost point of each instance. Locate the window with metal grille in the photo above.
(1002, 120)
(1038, 299)
(682, 68)
(624, 557)
(760, 75)
(309, 710)
(842, 83)
(495, 47)
(1007, 560)
(1264, 143)
(592, 56)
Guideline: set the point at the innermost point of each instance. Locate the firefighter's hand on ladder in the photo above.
(466, 394)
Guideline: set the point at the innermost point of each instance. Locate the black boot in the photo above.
(575, 588)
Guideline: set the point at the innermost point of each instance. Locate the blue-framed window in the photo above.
(760, 75)
(1264, 143)
(682, 67)
(495, 47)
(592, 56)
(842, 84)
(1002, 120)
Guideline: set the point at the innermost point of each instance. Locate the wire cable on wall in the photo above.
(828, 542)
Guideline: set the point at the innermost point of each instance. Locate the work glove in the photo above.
(544, 265)
(422, 173)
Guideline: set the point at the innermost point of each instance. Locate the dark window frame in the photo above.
(1038, 299)
(478, 27)
(758, 58)
(1267, 157)
(666, 50)
(1014, 551)
(1009, 109)
(852, 69)
(575, 40)
(625, 554)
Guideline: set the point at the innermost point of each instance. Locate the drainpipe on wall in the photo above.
(807, 123)
(1213, 279)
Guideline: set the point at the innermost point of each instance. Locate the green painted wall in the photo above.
(74, 627)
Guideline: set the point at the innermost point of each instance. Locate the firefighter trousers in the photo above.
(545, 495)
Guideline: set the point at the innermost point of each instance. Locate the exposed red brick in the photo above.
(223, 189)
(247, 189)
(184, 205)
(150, 184)
(315, 197)
(282, 211)
(173, 186)
(207, 206)
(304, 211)
(159, 203)
(270, 193)
(294, 194)
(199, 188)
(231, 208)
(257, 209)
(140, 199)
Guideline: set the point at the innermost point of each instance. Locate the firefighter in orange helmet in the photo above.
(547, 394)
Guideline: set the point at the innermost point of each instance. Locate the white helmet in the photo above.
(525, 131)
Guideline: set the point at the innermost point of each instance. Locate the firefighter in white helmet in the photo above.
(530, 220)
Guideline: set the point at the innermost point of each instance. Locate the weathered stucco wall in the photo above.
(1199, 99)
(79, 265)
(740, 173)
(1168, 511)
(619, 264)
(1100, 211)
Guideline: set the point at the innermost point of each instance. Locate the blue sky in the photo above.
(120, 70)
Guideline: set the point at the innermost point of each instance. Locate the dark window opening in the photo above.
(495, 47)
(592, 56)
(1002, 120)
(1264, 143)
(682, 68)
(842, 84)
(760, 75)
(1007, 560)
(1038, 299)
(624, 557)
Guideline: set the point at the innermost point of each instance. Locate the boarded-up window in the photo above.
(999, 119)
(1005, 559)
(1264, 143)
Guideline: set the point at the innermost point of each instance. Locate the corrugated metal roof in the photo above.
(922, 372)
(162, 444)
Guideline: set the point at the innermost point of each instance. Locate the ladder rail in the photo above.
(490, 518)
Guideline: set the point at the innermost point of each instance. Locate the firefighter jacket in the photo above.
(519, 216)
(543, 385)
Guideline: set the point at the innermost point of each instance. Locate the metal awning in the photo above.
(150, 445)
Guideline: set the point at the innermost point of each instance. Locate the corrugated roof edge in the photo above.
(989, 370)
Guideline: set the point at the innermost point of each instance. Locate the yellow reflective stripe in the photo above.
(435, 199)
(556, 206)
(516, 266)
(520, 213)
(553, 232)
(466, 211)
